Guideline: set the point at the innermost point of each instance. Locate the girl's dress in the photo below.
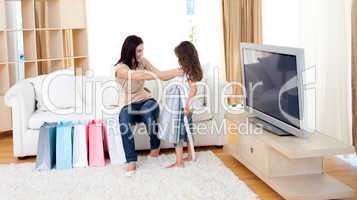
(175, 127)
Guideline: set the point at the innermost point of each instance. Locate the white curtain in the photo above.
(327, 39)
(323, 29)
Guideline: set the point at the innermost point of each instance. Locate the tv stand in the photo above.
(268, 127)
(292, 166)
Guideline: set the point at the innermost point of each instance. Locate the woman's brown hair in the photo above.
(188, 59)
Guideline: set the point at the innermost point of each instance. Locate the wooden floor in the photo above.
(335, 167)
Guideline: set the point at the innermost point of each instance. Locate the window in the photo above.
(162, 24)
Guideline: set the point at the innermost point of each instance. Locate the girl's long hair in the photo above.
(188, 59)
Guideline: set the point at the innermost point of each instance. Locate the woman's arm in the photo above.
(191, 94)
(164, 75)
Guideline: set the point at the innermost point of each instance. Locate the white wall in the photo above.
(111, 22)
(281, 22)
(162, 24)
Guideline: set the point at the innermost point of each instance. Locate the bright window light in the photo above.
(162, 24)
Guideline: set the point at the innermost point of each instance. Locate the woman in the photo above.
(132, 70)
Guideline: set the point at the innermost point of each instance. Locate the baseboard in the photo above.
(5, 134)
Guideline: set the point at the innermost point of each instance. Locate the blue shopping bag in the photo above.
(64, 138)
(46, 148)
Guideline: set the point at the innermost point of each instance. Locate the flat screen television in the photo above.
(272, 78)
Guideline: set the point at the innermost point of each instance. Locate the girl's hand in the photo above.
(179, 72)
(143, 61)
(186, 110)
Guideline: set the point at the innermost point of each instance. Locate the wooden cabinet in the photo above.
(292, 166)
(272, 163)
(74, 14)
(2, 15)
(253, 151)
(38, 37)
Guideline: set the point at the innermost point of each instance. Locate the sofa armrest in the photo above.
(21, 98)
(217, 108)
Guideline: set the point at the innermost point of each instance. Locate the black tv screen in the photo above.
(267, 76)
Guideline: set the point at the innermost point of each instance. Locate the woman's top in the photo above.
(134, 89)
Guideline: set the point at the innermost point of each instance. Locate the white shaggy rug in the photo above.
(207, 178)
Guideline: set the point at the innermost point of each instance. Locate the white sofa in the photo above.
(82, 98)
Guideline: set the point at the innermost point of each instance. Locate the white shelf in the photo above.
(291, 166)
(300, 187)
(316, 145)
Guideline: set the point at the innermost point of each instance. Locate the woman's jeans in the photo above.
(147, 112)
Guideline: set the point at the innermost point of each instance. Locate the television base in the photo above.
(292, 166)
(268, 127)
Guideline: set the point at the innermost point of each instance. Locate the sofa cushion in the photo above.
(56, 91)
(201, 95)
(110, 93)
(37, 85)
(99, 92)
(201, 115)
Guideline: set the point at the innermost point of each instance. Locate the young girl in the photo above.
(188, 60)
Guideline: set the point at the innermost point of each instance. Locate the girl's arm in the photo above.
(191, 94)
(124, 73)
(164, 75)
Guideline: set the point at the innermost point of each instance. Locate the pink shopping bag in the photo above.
(96, 144)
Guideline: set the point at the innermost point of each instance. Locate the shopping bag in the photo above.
(80, 153)
(46, 149)
(64, 137)
(114, 142)
(168, 118)
(96, 144)
(186, 121)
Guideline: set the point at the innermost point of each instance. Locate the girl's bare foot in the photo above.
(176, 164)
(154, 153)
